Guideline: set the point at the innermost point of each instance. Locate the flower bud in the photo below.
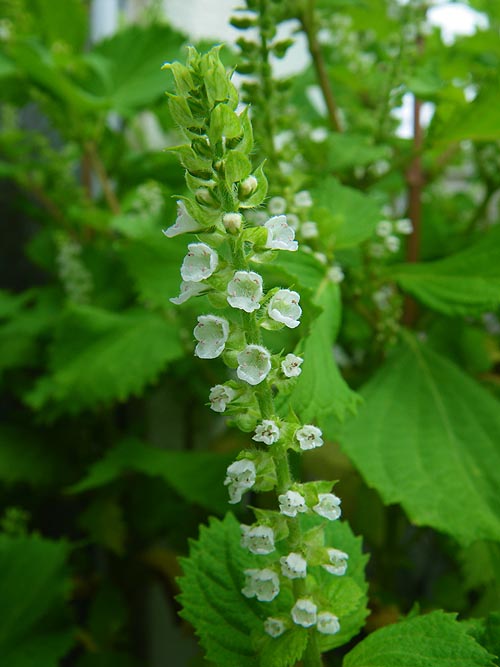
(232, 222)
(248, 187)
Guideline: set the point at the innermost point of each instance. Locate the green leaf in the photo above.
(99, 356)
(24, 458)
(69, 26)
(464, 124)
(321, 390)
(345, 216)
(196, 476)
(32, 591)
(427, 437)
(346, 151)
(467, 283)
(237, 167)
(424, 641)
(230, 626)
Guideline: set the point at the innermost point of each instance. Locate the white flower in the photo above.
(303, 199)
(279, 235)
(257, 539)
(319, 134)
(384, 228)
(309, 437)
(254, 364)
(293, 221)
(262, 584)
(274, 627)
(392, 243)
(188, 289)
(276, 205)
(200, 262)
(291, 365)
(241, 476)
(220, 396)
(335, 274)
(184, 222)
(293, 566)
(212, 333)
(304, 612)
(404, 226)
(309, 230)
(267, 432)
(337, 562)
(327, 623)
(328, 506)
(284, 308)
(244, 291)
(292, 502)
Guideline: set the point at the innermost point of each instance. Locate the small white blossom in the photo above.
(293, 566)
(284, 308)
(328, 506)
(262, 584)
(293, 221)
(404, 226)
(267, 432)
(335, 274)
(304, 612)
(384, 228)
(244, 291)
(183, 224)
(309, 230)
(274, 627)
(200, 262)
(337, 562)
(319, 134)
(309, 437)
(276, 205)
(220, 396)
(257, 539)
(392, 243)
(327, 623)
(212, 333)
(280, 236)
(303, 199)
(240, 477)
(292, 502)
(321, 257)
(187, 290)
(291, 365)
(254, 364)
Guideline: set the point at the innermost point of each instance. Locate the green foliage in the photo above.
(230, 625)
(426, 438)
(425, 641)
(33, 624)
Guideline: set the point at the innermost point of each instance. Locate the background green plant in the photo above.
(109, 460)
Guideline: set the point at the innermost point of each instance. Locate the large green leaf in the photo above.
(427, 437)
(196, 476)
(345, 216)
(231, 627)
(32, 591)
(99, 356)
(464, 123)
(424, 641)
(321, 390)
(462, 284)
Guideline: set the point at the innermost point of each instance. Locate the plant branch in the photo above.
(309, 26)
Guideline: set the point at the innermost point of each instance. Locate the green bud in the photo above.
(252, 195)
(243, 22)
(232, 222)
(182, 76)
(180, 111)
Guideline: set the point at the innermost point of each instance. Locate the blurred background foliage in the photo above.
(109, 458)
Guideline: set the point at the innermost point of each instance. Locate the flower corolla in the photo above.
(280, 236)
(274, 627)
(327, 623)
(267, 431)
(284, 308)
(291, 365)
(220, 396)
(292, 502)
(211, 332)
(337, 562)
(200, 263)
(240, 477)
(328, 506)
(257, 539)
(293, 566)
(304, 613)
(261, 584)
(254, 364)
(309, 230)
(187, 290)
(183, 224)
(244, 291)
(309, 437)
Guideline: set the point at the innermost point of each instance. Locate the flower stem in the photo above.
(312, 656)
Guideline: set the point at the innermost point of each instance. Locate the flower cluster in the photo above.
(223, 262)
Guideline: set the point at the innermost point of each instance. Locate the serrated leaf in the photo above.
(99, 356)
(427, 438)
(463, 284)
(32, 588)
(196, 476)
(426, 641)
(321, 390)
(345, 216)
(230, 626)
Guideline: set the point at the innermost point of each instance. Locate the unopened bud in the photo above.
(232, 222)
(248, 186)
(205, 196)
